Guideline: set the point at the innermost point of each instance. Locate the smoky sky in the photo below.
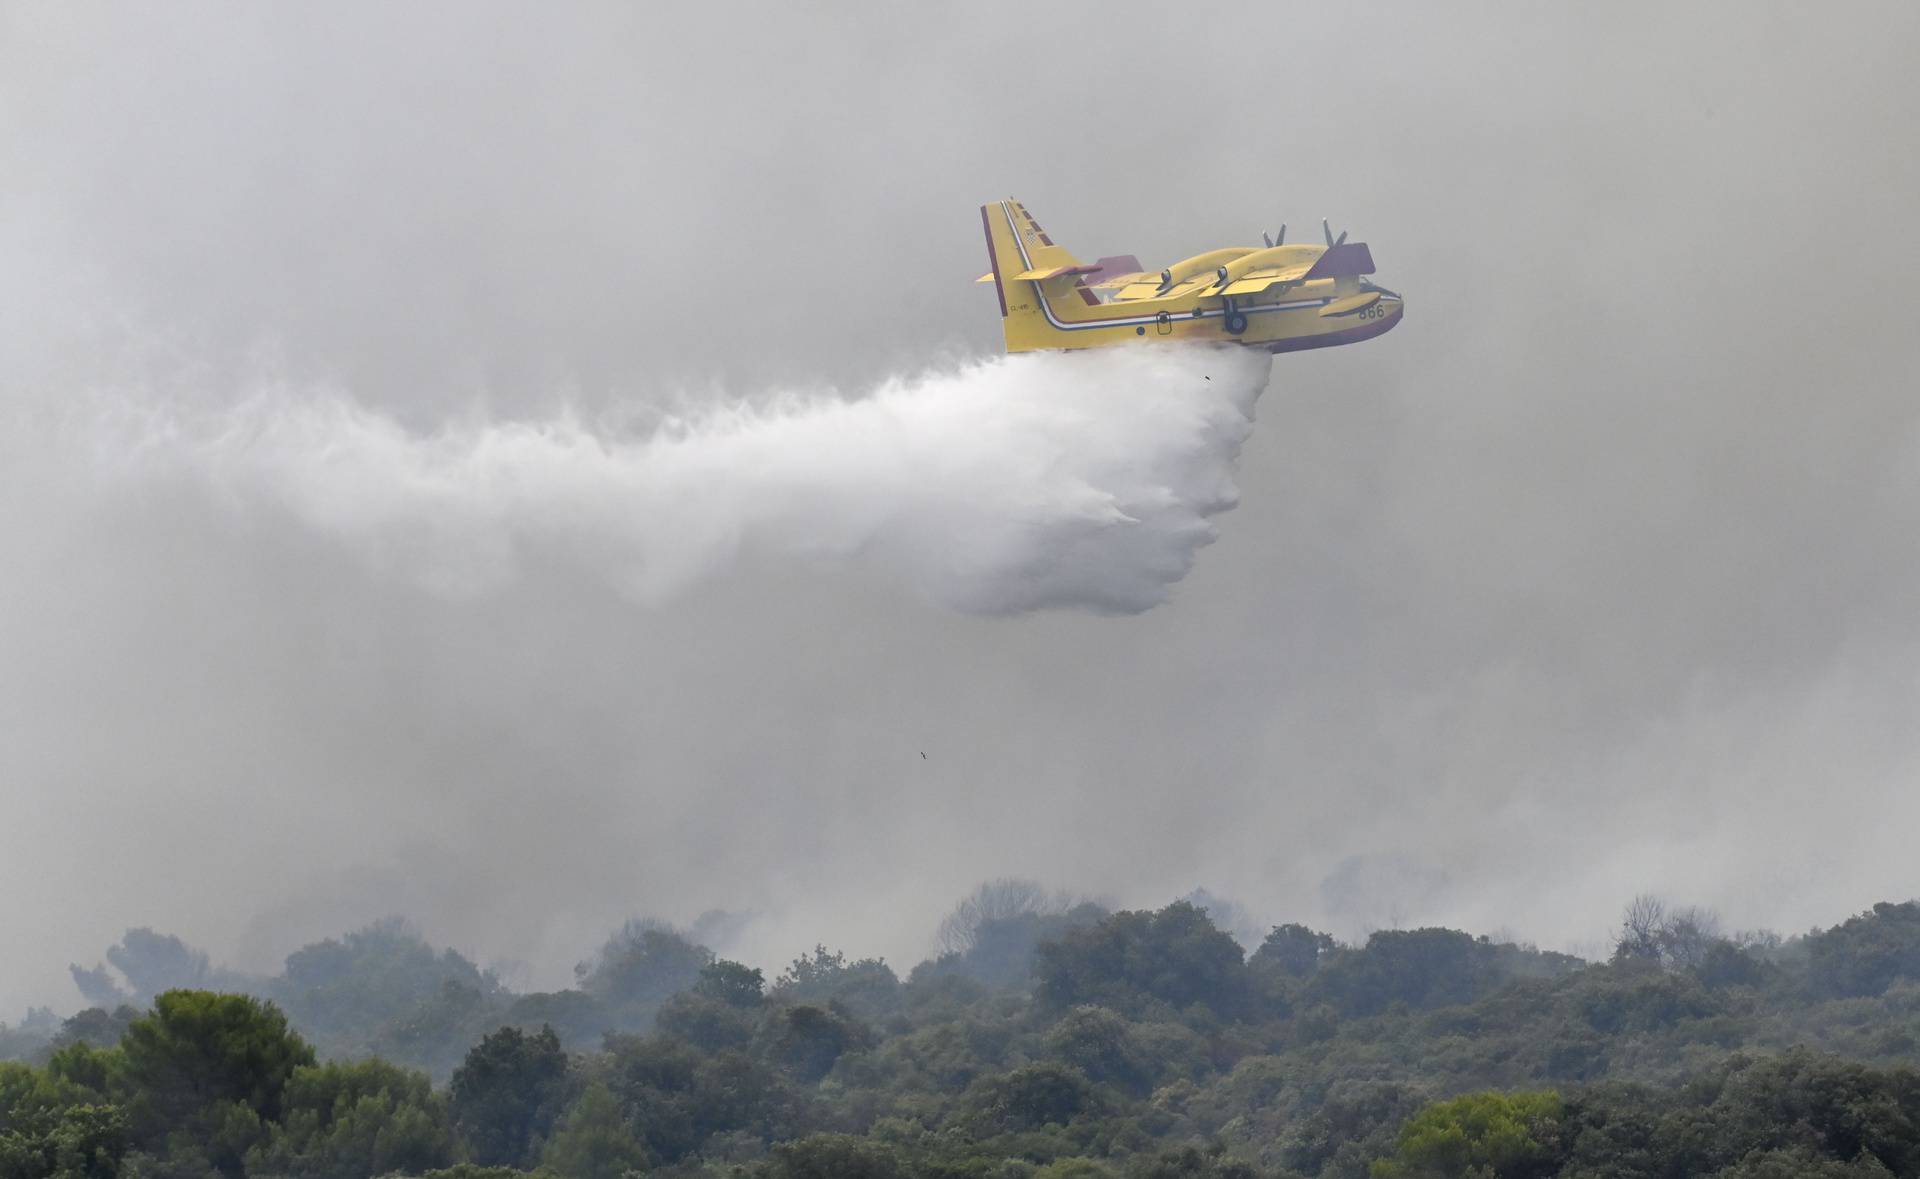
(1596, 576)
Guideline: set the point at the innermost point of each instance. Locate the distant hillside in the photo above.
(1052, 1039)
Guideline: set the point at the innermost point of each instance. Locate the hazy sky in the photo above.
(1596, 576)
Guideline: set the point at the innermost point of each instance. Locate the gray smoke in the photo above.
(335, 343)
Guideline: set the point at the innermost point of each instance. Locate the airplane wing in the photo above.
(1311, 262)
(1261, 280)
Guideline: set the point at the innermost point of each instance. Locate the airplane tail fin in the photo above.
(1029, 271)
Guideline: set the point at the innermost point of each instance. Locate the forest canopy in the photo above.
(1048, 1039)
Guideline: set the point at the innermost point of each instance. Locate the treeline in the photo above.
(1050, 1041)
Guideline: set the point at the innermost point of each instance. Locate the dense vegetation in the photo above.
(1048, 1042)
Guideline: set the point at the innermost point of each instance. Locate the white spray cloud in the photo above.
(1080, 481)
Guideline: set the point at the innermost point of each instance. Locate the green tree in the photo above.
(211, 1069)
(98, 1070)
(807, 1040)
(1479, 1136)
(731, 983)
(578, 1018)
(505, 1095)
(436, 1034)
(1132, 959)
(1423, 968)
(677, 1098)
(594, 1141)
(639, 967)
(1838, 1108)
(1637, 997)
(342, 990)
(1000, 951)
(97, 1027)
(1801, 1163)
(1865, 955)
(50, 1126)
(867, 987)
(28, 1095)
(73, 1142)
(1027, 1098)
(1728, 965)
(657, 1080)
(709, 1024)
(476, 1171)
(1102, 1045)
(1293, 950)
(834, 1156)
(350, 1120)
(440, 1030)
(1191, 1162)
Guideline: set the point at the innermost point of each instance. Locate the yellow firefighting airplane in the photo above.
(1282, 298)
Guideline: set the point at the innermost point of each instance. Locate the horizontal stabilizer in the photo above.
(1039, 274)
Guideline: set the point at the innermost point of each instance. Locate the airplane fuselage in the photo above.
(1282, 298)
(1290, 322)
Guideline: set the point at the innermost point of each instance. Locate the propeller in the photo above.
(1278, 239)
(1328, 230)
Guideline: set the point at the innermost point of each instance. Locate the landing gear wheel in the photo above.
(1236, 323)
